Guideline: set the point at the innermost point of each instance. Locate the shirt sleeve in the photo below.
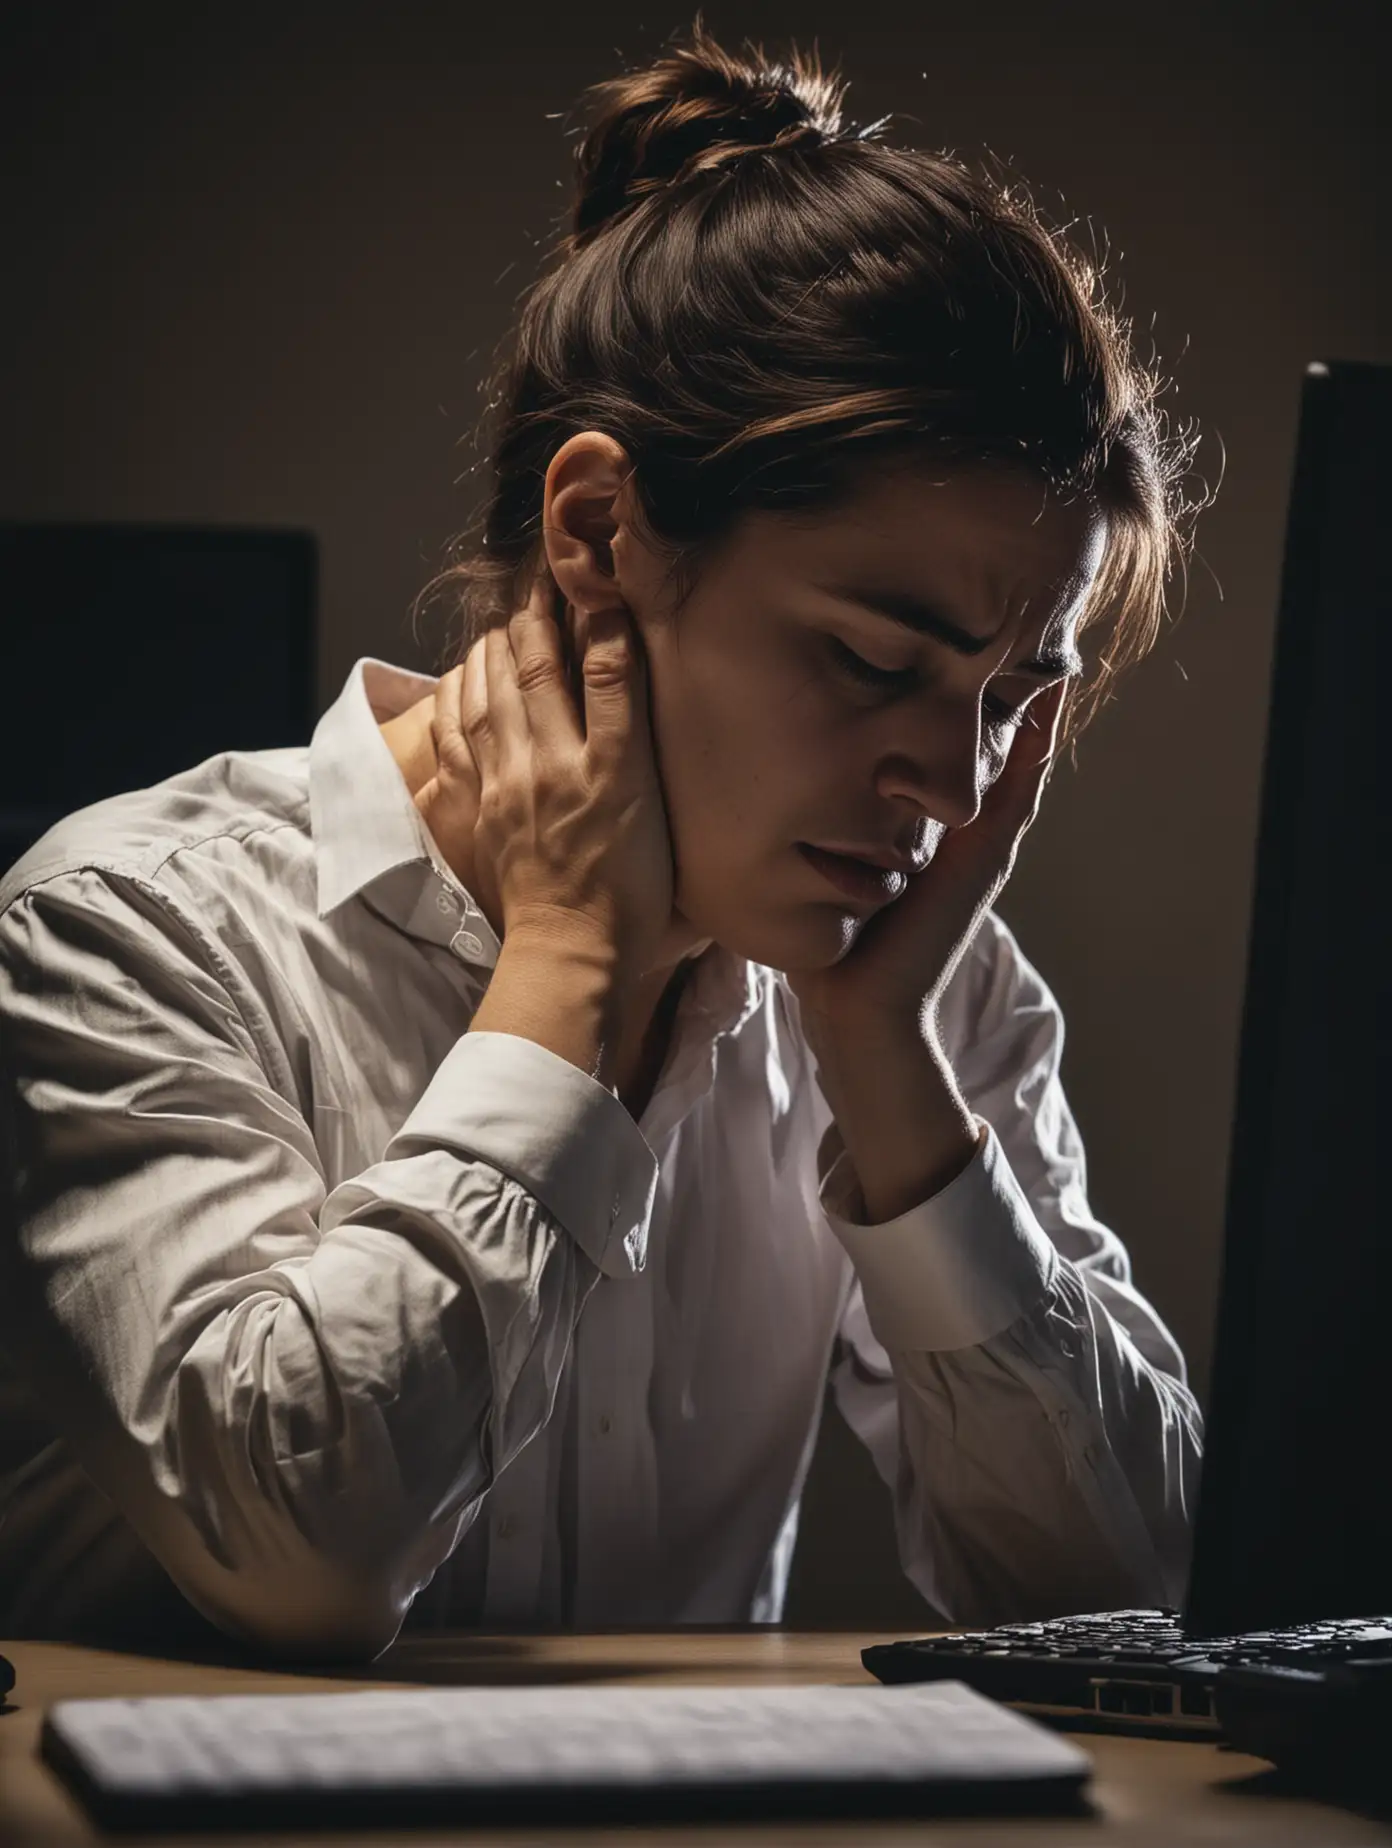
(1027, 1406)
(297, 1396)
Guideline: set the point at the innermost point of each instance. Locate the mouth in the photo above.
(857, 879)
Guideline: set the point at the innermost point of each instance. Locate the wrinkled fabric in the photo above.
(322, 1315)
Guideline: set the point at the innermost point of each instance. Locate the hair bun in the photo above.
(688, 112)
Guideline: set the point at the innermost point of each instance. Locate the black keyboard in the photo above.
(1326, 1726)
(1122, 1670)
(1155, 1636)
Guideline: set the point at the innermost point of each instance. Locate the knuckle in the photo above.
(548, 784)
(536, 672)
(604, 753)
(455, 759)
(606, 666)
(494, 810)
(474, 720)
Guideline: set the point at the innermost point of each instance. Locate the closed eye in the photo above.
(1002, 715)
(885, 679)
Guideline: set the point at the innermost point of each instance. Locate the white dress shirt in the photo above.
(322, 1314)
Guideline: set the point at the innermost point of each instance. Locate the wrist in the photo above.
(866, 1058)
(902, 1118)
(567, 941)
(563, 990)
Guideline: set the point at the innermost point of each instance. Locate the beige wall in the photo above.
(256, 279)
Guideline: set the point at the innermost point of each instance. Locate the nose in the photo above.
(942, 770)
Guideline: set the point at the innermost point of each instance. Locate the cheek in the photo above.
(706, 754)
(748, 756)
(749, 782)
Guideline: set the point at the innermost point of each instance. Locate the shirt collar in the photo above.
(370, 842)
(369, 838)
(725, 989)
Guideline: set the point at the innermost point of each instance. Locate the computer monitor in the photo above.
(1294, 1520)
(131, 651)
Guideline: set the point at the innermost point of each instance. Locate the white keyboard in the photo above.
(503, 1749)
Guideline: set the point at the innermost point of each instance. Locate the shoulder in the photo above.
(205, 830)
(997, 963)
(996, 990)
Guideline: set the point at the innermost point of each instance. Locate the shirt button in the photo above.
(1066, 1349)
(606, 1424)
(614, 1210)
(443, 902)
(466, 944)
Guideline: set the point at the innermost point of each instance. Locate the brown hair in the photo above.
(757, 303)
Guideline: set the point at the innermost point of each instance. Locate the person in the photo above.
(455, 1156)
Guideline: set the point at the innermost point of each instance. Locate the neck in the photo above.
(412, 744)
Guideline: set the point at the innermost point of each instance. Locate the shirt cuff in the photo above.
(556, 1131)
(953, 1271)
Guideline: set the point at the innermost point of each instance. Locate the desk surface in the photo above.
(1145, 1791)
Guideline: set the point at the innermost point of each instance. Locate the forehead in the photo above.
(994, 538)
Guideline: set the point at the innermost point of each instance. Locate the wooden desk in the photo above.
(1145, 1791)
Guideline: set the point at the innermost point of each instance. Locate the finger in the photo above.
(612, 670)
(446, 723)
(473, 710)
(507, 710)
(1037, 737)
(1016, 792)
(539, 668)
(1051, 722)
(1039, 760)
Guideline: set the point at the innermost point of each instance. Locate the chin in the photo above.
(799, 939)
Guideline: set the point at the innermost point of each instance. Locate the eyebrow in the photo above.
(923, 618)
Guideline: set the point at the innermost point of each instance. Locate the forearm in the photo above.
(1050, 1469)
(902, 1118)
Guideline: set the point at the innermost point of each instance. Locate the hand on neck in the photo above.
(411, 742)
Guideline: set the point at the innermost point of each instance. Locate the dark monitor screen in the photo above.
(130, 652)
(1295, 1515)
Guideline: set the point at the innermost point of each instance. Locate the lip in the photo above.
(858, 879)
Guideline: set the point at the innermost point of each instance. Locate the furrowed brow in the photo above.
(923, 618)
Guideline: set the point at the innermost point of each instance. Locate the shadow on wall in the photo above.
(846, 1571)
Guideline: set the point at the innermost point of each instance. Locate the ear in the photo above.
(587, 495)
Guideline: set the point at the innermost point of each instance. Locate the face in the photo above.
(789, 709)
